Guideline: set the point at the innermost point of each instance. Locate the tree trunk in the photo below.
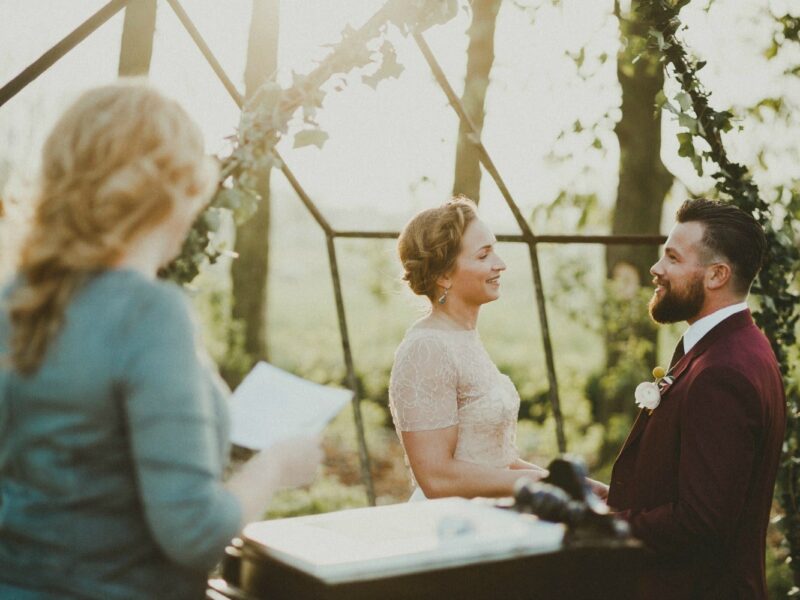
(137, 38)
(643, 184)
(480, 56)
(249, 272)
(643, 179)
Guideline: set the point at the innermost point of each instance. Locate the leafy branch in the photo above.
(268, 114)
(789, 32)
(775, 286)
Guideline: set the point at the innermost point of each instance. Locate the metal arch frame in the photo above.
(61, 48)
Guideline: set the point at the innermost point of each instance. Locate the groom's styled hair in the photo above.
(429, 244)
(731, 234)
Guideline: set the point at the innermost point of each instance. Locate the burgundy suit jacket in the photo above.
(695, 478)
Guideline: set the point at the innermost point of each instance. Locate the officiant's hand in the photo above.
(290, 463)
(297, 458)
(599, 489)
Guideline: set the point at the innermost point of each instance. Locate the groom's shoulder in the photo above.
(744, 353)
(741, 345)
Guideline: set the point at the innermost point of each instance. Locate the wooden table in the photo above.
(441, 549)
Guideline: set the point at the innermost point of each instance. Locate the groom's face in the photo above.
(679, 276)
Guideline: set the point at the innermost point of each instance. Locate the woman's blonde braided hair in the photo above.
(112, 167)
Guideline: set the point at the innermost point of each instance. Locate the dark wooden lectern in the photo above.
(440, 549)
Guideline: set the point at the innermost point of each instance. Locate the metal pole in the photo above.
(352, 383)
(366, 471)
(209, 56)
(239, 99)
(54, 54)
(606, 240)
(527, 233)
(136, 48)
(304, 197)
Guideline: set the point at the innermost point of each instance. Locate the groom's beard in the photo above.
(674, 306)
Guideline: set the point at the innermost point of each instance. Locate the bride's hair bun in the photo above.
(429, 244)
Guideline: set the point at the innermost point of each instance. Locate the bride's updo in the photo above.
(429, 244)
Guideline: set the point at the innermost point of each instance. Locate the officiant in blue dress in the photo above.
(113, 421)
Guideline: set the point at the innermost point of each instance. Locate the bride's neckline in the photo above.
(438, 323)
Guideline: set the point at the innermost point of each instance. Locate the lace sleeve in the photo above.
(422, 388)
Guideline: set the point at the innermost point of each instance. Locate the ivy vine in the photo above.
(269, 113)
(700, 139)
(789, 31)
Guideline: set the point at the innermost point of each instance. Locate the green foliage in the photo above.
(778, 571)
(338, 487)
(327, 494)
(576, 211)
(631, 358)
(789, 30)
(196, 251)
(777, 292)
(268, 114)
(222, 335)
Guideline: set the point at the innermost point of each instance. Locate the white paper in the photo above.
(271, 405)
(398, 539)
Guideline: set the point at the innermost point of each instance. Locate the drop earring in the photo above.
(443, 297)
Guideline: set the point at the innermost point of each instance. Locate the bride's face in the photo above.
(476, 277)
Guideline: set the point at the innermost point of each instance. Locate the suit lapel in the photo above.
(643, 418)
(638, 427)
(732, 323)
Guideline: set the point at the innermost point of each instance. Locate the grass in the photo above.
(304, 338)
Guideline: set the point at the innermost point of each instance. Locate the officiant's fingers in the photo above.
(599, 489)
(300, 458)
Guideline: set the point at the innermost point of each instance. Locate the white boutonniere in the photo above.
(648, 393)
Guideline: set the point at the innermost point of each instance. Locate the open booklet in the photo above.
(271, 405)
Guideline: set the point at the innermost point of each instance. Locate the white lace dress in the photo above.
(442, 378)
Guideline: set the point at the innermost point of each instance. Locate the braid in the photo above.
(37, 314)
(112, 168)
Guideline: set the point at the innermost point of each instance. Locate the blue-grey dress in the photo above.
(111, 454)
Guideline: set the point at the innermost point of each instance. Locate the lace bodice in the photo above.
(442, 378)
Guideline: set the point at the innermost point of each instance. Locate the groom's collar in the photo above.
(731, 323)
(701, 327)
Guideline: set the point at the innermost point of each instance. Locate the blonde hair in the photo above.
(112, 167)
(429, 244)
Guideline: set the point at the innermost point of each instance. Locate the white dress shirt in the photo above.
(699, 328)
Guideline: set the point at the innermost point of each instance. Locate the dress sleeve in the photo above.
(422, 390)
(174, 433)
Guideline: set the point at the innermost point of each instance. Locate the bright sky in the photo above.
(391, 151)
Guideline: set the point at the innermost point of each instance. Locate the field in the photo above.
(304, 337)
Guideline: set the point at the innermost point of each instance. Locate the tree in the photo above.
(480, 57)
(249, 272)
(643, 179)
(643, 184)
(137, 38)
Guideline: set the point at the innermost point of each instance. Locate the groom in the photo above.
(695, 477)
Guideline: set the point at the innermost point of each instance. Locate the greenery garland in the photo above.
(267, 116)
(789, 32)
(775, 286)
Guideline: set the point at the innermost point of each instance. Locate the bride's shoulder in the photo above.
(426, 329)
(421, 339)
(417, 334)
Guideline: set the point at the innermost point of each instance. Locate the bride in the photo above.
(454, 412)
